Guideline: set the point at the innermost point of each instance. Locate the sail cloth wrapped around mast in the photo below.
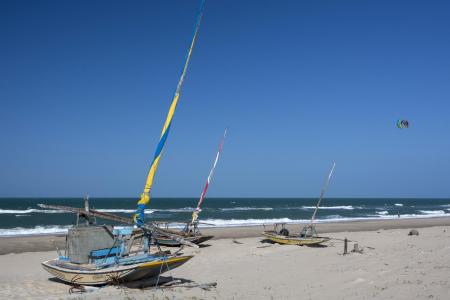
(202, 196)
(145, 196)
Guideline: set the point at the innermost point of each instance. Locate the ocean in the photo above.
(22, 216)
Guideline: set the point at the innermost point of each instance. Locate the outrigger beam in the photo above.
(119, 219)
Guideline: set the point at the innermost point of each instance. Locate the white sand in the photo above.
(400, 267)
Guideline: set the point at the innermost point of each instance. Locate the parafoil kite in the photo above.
(402, 124)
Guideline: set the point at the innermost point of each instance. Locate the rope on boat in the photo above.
(76, 287)
(165, 262)
(114, 279)
(160, 269)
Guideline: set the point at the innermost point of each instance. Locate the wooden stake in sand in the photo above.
(345, 245)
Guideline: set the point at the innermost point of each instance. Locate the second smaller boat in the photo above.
(308, 235)
(191, 231)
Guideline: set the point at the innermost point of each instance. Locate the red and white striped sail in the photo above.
(202, 196)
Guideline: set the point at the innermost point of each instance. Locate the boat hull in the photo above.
(294, 240)
(193, 239)
(84, 276)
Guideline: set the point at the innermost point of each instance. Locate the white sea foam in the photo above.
(184, 209)
(329, 219)
(249, 222)
(333, 217)
(39, 230)
(18, 212)
(384, 217)
(433, 212)
(245, 208)
(398, 204)
(348, 207)
(18, 231)
(256, 222)
(147, 211)
(383, 213)
(29, 211)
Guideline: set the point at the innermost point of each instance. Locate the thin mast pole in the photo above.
(145, 196)
(208, 180)
(322, 193)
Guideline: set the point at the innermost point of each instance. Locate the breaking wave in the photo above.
(29, 211)
(38, 230)
(245, 208)
(433, 212)
(184, 209)
(348, 207)
(51, 211)
(383, 215)
(249, 222)
(43, 230)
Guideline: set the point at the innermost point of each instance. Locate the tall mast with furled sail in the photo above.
(208, 180)
(191, 231)
(100, 255)
(139, 216)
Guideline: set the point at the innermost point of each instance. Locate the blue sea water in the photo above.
(23, 216)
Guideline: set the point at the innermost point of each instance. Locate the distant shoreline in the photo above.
(49, 242)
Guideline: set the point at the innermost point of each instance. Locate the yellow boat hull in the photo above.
(86, 276)
(294, 240)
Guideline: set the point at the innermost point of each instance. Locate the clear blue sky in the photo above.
(85, 87)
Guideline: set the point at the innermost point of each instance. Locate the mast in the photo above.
(86, 208)
(322, 193)
(208, 180)
(145, 196)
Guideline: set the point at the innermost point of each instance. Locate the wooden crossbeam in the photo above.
(112, 217)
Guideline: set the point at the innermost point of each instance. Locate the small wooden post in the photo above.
(345, 245)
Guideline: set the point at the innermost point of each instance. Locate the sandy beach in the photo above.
(392, 265)
(128, 127)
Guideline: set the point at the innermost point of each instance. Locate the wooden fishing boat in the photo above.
(308, 235)
(191, 231)
(88, 274)
(274, 236)
(96, 255)
(193, 239)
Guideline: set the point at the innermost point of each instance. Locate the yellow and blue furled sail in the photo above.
(139, 216)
